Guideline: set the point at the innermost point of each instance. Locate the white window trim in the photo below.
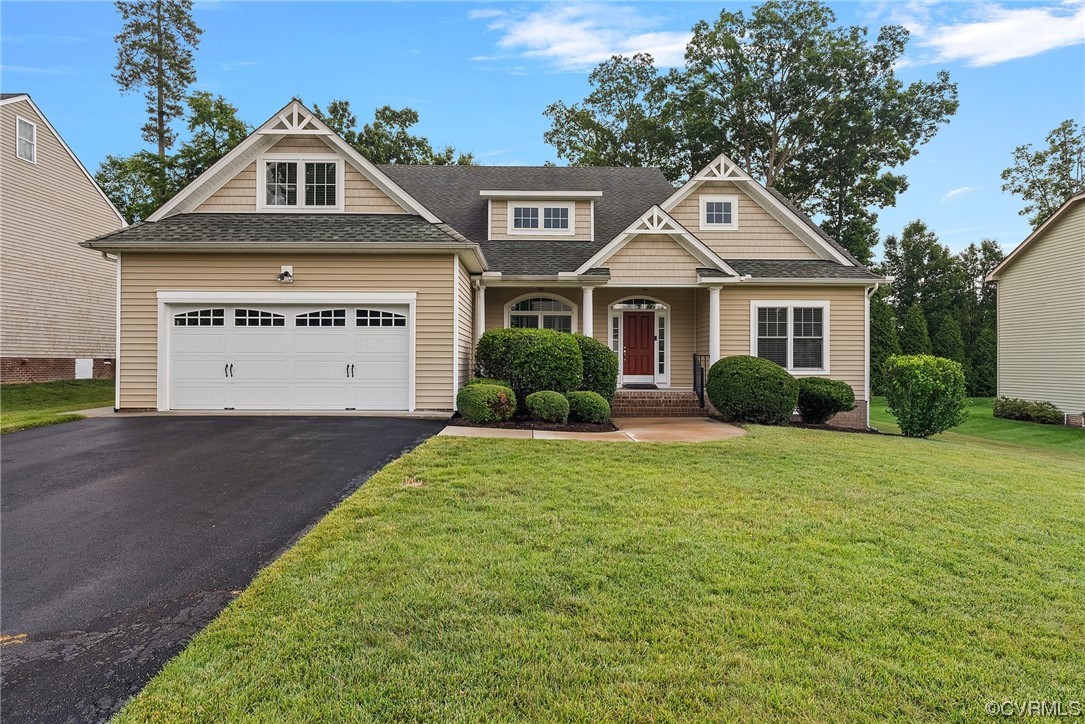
(540, 205)
(662, 380)
(301, 160)
(168, 300)
(705, 199)
(34, 142)
(823, 304)
(541, 295)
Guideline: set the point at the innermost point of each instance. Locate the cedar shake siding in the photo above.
(57, 300)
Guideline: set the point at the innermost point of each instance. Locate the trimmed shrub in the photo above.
(588, 406)
(925, 393)
(752, 389)
(1045, 413)
(483, 404)
(531, 359)
(600, 367)
(486, 381)
(548, 406)
(821, 398)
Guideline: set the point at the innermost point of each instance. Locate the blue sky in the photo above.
(480, 74)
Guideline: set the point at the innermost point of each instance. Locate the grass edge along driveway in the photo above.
(38, 404)
(789, 574)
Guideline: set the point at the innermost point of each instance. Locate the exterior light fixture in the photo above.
(286, 276)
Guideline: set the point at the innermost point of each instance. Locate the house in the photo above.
(57, 301)
(295, 274)
(1041, 314)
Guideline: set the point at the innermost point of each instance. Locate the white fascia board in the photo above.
(497, 194)
(821, 281)
(282, 297)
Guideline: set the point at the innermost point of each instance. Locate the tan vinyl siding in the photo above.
(466, 324)
(143, 275)
(847, 325)
(758, 236)
(656, 258)
(57, 299)
(499, 220)
(1041, 317)
(360, 195)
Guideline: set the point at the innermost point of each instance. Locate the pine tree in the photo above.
(884, 341)
(914, 338)
(154, 54)
(983, 372)
(947, 341)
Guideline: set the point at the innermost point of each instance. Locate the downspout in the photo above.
(871, 291)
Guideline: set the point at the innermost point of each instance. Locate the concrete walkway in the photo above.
(630, 429)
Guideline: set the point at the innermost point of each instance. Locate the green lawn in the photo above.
(983, 425)
(792, 575)
(35, 405)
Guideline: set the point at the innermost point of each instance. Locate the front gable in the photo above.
(237, 182)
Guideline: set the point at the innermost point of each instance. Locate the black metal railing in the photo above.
(700, 372)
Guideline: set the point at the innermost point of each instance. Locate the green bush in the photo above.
(588, 406)
(821, 398)
(486, 381)
(925, 393)
(548, 406)
(600, 367)
(483, 404)
(752, 389)
(531, 359)
(1011, 408)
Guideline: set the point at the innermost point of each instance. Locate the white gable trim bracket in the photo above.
(724, 169)
(293, 118)
(656, 221)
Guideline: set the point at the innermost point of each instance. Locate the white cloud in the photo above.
(579, 37)
(960, 191)
(37, 70)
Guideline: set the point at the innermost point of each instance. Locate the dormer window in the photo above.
(302, 184)
(719, 213)
(26, 144)
(540, 218)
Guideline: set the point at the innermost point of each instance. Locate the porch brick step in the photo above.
(656, 403)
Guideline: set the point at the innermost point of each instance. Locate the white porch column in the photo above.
(480, 311)
(713, 325)
(586, 312)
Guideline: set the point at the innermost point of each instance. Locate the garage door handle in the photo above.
(352, 370)
(231, 370)
(226, 370)
(348, 370)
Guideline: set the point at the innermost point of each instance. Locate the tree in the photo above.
(215, 130)
(884, 342)
(925, 273)
(913, 334)
(154, 53)
(388, 138)
(1046, 178)
(624, 121)
(948, 343)
(977, 311)
(130, 183)
(983, 370)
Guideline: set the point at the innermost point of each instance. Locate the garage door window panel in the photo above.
(258, 318)
(322, 318)
(200, 318)
(379, 318)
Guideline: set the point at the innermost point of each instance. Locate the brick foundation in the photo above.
(21, 370)
(657, 403)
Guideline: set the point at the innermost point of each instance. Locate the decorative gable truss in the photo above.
(293, 119)
(724, 169)
(657, 222)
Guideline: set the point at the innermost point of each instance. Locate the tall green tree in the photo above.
(130, 183)
(977, 310)
(1047, 177)
(914, 338)
(947, 341)
(214, 129)
(388, 139)
(884, 342)
(154, 54)
(983, 367)
(925, 273)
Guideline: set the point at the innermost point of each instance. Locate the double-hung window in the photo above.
(302, 184)
(719, 213)
(26, 140)
(541, 218)
(794, 335)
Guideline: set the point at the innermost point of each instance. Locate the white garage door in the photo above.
(289, 357)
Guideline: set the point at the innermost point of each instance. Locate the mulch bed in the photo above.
(525, 424)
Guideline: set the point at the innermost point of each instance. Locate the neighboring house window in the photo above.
(541, 218)
(541, 313)
(719, 213)
(319, 184)
(26, 144)
(793, 335)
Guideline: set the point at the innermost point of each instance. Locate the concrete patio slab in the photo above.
(630, 429)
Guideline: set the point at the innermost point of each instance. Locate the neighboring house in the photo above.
(57, 301)
(1041, 314)
(295, 274)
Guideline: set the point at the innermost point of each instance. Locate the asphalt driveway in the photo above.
(122, 536)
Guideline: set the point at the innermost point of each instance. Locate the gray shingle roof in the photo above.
(799, 269)
(452, 193)
(318, 230)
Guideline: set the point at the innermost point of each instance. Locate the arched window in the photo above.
(541, 312)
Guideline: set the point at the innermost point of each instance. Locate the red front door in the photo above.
(639, 340)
